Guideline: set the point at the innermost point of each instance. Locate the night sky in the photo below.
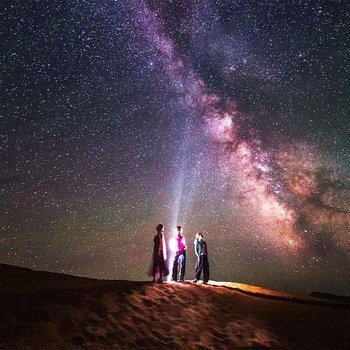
(227, 117)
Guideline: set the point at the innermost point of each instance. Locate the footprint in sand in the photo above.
(162, 337)
(136, 308)
(137, 320)
(127, 326)
(164, 300)
(219, 335)
(147, 303)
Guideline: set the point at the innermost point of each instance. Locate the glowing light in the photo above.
(173, 245)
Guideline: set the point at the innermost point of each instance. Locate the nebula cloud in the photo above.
(249, 168)
(284, 190)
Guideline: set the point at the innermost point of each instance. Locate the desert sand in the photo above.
(42, 310)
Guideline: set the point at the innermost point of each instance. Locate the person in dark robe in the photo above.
(179, 265)
(202, 263)
(159, 255)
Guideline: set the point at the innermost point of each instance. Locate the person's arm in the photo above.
(204, 248)
(196, 247)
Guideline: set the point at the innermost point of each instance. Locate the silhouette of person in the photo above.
(159, 255)
(202, 263)
(179, 265)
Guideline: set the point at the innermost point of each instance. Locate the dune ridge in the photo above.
(41, 310)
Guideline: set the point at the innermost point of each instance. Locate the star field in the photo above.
(225, 117)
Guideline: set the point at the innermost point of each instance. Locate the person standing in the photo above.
(179, 265)
(201, 251)
(159, 255)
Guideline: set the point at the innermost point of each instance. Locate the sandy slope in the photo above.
(45, 310)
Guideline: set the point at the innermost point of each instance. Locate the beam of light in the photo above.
(178, 192)
(172, 243)
(151, 30)
(179, 200)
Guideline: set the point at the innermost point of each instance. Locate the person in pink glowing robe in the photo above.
(179, 265)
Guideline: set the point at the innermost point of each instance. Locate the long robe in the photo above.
(159, 261)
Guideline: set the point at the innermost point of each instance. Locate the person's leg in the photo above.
(180, 261)
(198, 269)
(161, 270)
(174, 276)
(205, 269)
(183, 267)
(154, 269)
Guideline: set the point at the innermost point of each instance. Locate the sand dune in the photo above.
(41, 310)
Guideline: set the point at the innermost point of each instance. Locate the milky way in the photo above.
(230, 118)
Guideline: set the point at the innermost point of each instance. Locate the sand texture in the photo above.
(41, 310)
